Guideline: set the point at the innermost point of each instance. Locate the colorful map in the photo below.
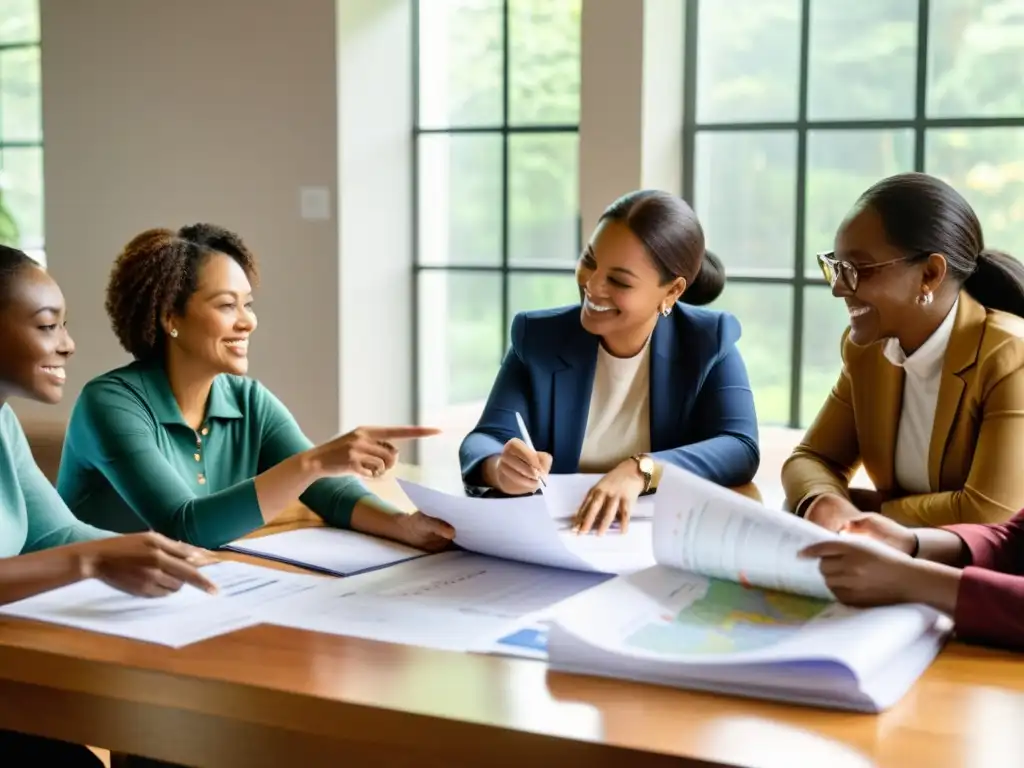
(728, 618)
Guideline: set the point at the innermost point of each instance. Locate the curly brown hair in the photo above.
(156, 273)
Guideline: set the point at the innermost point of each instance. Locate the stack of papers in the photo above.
(454, 601)
(730, 607)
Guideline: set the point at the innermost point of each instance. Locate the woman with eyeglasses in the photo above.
(931, 394)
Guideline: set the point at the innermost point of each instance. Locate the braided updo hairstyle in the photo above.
(157, 273)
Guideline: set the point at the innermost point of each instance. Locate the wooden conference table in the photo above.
(270, 696)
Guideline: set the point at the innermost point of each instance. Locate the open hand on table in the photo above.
(612, 498)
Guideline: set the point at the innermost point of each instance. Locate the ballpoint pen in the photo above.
(529, 443)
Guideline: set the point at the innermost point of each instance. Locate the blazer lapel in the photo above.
(961, 354)
(886, 395)
(664, 403)
(573, 385)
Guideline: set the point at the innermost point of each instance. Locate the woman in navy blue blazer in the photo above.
(634, 377)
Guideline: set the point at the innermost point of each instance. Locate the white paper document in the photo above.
(704, 528)
(452, 601)
(673, 628)
(526, 530)
(186, 616)
(328, 550)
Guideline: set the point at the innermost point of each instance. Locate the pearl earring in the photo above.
(174, 333)
(925, 299)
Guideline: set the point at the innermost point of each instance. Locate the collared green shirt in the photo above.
(32, 515)
(131, 463)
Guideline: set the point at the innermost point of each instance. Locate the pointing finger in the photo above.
(182, 571)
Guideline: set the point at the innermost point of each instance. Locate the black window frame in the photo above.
(506, 131)
(21, 144)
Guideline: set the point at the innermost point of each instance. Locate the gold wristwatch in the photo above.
(646, 465)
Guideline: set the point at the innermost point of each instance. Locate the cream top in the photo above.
(923, 374)
(619, 421)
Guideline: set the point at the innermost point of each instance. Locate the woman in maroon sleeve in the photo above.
(974, 573)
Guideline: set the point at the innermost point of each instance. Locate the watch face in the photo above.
(646, 464)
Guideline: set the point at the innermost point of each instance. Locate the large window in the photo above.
(21, 132)
(794, 107)
(496, 195)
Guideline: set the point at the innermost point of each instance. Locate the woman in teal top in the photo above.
(181, 442)
(42, 545)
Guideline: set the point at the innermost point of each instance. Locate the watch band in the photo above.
(648, 474)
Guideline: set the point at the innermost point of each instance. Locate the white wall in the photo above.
(375, 223)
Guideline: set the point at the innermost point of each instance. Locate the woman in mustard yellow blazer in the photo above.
(931, 394)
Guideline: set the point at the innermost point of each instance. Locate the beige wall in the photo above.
(163, 113)
(631, 101)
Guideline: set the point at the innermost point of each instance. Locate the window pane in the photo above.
(460, 199)
(540, 291)
(863, 59)
(460, 63)
(21, 183)
(8, 227)
(19, 21)
(975, 58)
(460, 344)
(766, 313)
(544, 62)
(841, 165)
(543, 198)
(986, 165)
(20, 112)
(460, 339)
(748, 60)
(745, 196)
(825, 319)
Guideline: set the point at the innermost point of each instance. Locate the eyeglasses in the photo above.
(832, 268)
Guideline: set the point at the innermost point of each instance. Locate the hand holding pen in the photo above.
(519, 469)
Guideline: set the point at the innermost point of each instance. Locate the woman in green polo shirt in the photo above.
(180, 441)
(42, 545)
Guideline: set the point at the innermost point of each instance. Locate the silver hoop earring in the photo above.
(174, 333)
(925, 299)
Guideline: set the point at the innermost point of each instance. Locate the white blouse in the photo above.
(619, 421)
(923, 373)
